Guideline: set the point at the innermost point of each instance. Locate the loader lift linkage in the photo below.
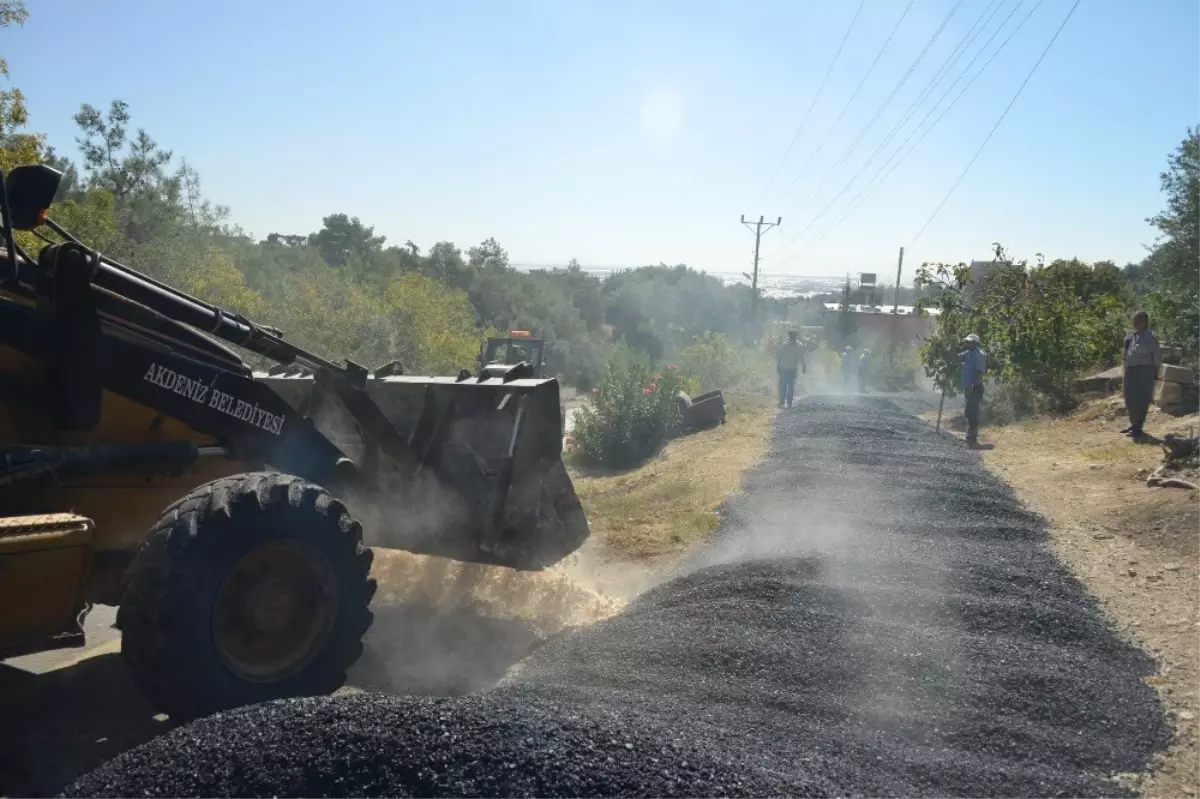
(467, 467)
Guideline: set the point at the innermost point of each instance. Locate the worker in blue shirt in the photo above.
(974, 366)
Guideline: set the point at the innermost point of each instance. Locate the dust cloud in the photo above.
(837, 531)
(444, 626)
(447, 627)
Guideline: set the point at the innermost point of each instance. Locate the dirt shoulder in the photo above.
(646, 517)
(1136, 548)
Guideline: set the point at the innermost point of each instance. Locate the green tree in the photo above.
(126, 167)
(16, 145)
(342, 238)
(435, 329)
(13, 113)
(1171, 266)
(1038, 331)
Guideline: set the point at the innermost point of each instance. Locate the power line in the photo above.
(853, 95)
(893, 162)
(804, 119)
(895, 90)
(1011, 103)
(973, 33)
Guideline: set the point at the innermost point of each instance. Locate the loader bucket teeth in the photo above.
(470, 469)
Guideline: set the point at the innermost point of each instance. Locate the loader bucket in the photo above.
(480, 475)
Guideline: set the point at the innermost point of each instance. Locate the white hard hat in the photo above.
(972, 337)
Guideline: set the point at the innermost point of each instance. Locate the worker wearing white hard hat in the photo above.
(974, 367)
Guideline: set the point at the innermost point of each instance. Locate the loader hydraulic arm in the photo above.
(174, 304)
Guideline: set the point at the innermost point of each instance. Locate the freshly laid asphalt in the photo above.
(878, 616)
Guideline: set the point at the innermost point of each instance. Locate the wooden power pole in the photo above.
(896, 294)
(896, 307)
(759, 228)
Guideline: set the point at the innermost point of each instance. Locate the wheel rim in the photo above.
(275, 611)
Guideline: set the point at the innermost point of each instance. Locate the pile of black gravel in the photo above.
(878, 616)
(509, 742)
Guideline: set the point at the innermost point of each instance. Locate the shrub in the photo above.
(712, 362)
(627, 418)
(579, 363)
(710, 359)
(893, 370)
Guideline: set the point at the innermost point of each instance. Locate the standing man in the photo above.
(974, 366)
(789, 358)
(863, 365)
(1142, 359)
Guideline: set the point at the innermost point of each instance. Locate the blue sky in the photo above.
(622, 133)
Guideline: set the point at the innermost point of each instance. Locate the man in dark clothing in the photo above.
(1142, 359)
(788, 360)
(974, 366)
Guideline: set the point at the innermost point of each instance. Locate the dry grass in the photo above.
(1136, 548)
(663, 507)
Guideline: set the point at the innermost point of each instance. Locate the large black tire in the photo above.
(192, 582)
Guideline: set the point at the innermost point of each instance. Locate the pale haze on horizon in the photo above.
(621, 133)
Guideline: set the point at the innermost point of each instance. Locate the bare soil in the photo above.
(1136, 548)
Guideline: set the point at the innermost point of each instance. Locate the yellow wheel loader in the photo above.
(144, 465)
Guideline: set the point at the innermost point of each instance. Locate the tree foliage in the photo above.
(13, 113)
(1041, 325)
(1171, 268)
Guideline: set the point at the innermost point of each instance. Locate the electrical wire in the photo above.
(892, 163)
(817, 96)
(1004, 114)
(895, 90)
(853, 95)
(968, 39)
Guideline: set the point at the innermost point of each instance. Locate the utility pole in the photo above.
(896, 295)
(896, 307)
(759, 228)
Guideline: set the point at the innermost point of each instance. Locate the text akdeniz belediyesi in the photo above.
(202, 394)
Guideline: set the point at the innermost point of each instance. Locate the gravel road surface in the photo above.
(878, 616)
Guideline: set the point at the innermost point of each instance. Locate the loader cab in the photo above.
(517, 346)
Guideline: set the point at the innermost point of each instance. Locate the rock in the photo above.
(1131, 572)
(1186, 715)
(1173, 567)
(1171, 354)
(1168, 394)
(1102, 536)
(1174, 374)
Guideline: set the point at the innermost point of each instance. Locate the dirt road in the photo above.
(877, 616)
